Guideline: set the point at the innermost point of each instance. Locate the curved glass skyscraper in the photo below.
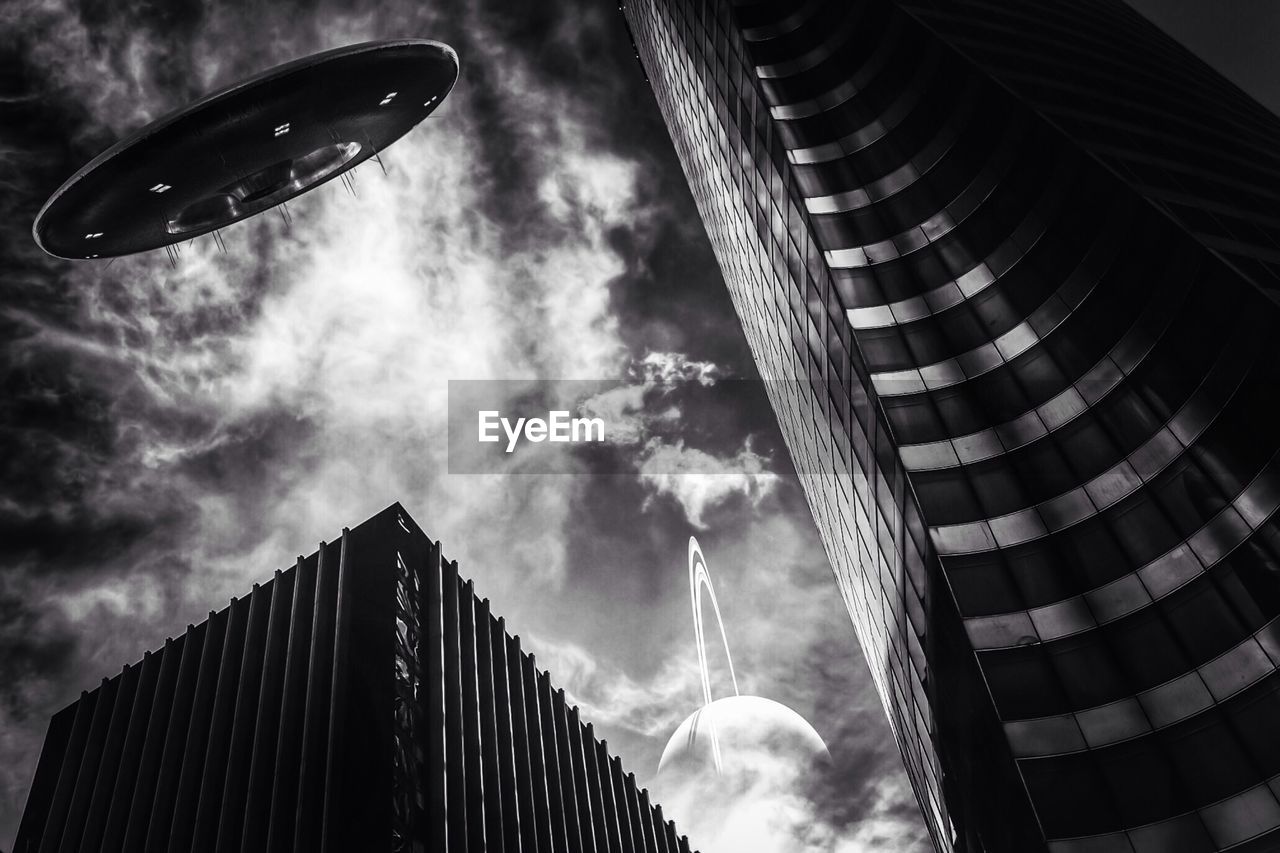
(1013, 268)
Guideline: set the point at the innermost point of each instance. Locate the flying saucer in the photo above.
(248, 148)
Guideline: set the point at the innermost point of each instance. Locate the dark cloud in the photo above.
(29, 650)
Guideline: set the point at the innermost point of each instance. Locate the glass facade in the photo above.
(409, 757)
(1029, 393)
(1186, 138)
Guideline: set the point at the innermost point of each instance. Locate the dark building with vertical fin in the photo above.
(363, 700)
(1012, 268)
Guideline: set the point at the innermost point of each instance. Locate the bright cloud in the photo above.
(699, 481)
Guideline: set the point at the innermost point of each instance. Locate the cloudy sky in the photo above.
(168, 436)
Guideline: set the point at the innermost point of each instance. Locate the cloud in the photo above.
(128, 598)
(645, 415)
(700, 482)
(635, 410)
(756, 802)
(625, 409)
(766, 809)
(613, 700)
(669, 367)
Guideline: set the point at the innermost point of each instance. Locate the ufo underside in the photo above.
(246, 149)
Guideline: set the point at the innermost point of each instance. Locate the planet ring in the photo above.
(699, 579)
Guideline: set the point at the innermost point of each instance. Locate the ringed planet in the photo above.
(246, 149)
(730, 734)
